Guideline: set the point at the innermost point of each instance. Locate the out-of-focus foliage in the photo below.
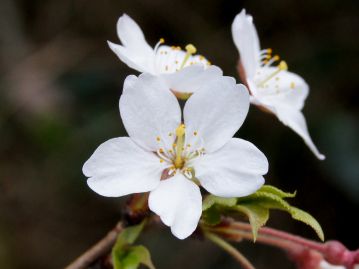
(59, 90)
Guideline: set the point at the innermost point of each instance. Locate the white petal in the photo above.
(296, 121)
(178, 202)
(325, 265)
(233, 171)
(216, 112)
(149, 111)
(135, 51)
(245, 38)
(285, 88)
(190, 79)
(119, 167)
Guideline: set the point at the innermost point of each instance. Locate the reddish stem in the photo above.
(283, 235)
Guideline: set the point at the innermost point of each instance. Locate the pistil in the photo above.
(180, 133)
(190, 50)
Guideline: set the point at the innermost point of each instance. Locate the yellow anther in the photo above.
(176, 62)
(161, 150)
(292, 85)
(283, 65)
(269, 51)
(162, 40)
(276, 57)
(188, 145)
(158, 139)
(174, 145)
(195, 133)
(201, 57)
(191, 49)
(170, 134)
(161, 161)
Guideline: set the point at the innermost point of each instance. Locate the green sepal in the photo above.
(125, 255)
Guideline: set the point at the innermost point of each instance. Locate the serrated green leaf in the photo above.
(211, 200)
(272, 201)
(276, 191)
(308, 219)
(131, 257)
(257, 216)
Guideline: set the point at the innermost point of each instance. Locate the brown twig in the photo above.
(96, 251)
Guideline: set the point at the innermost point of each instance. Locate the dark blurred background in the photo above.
(59, 90)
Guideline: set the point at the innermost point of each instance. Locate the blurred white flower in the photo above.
(175, 66)
(271, 87)
(200, 150)
(325, 265)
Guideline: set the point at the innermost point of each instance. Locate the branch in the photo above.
(101, 248)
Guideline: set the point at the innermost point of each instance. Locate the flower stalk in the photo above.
(230, 249)
(332, 251)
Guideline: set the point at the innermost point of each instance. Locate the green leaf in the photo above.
(131, 258)
(308, 219)
(257, 216)
(273, 201)
(276, 191)
(211, 216)
(211, 200)
(126, 256)
(129, 235)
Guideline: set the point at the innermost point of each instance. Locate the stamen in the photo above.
(161, 41)
(282, 66)
(292, 85)
(190, 50)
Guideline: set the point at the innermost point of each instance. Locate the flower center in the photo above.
(179, 154)
(281, 67)
(170, 59)
(266, 76)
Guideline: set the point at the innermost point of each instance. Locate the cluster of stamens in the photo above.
(179, 155)
(267, 60)
(175, 60)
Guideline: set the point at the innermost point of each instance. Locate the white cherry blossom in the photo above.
(271, 87)
(171, 63)
(190, 149)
